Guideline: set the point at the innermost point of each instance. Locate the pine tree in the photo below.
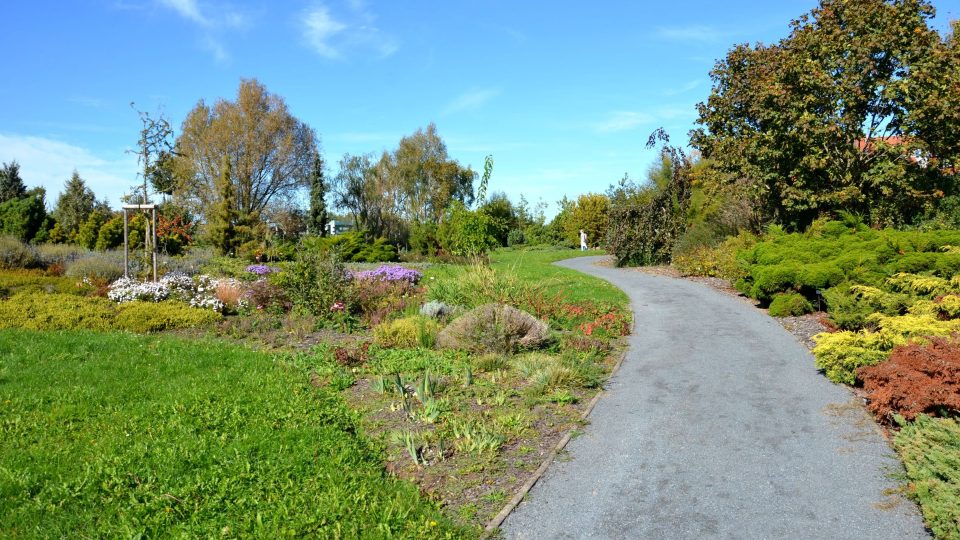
(74, 205)
(223, 216)
(11, 185)
(318, 203)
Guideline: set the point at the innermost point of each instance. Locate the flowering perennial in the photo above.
(262, 269)
(388, 272)
(175, 285)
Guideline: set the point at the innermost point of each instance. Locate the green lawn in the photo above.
(116, 435)
(535, 266)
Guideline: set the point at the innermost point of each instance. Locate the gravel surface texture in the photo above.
(717, 426)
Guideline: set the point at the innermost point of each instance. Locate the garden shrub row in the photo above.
(894, 298)
(56, 311)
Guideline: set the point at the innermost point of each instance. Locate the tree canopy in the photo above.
(270, 152)
(841, 114)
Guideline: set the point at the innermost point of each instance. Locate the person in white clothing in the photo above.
(583, 240)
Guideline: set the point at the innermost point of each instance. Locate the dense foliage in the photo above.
(930, 448)
(847, 112)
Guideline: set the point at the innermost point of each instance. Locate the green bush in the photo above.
(789, 305)
(351, 247)
(41, 311)
(147, 317)
(106, 267)
(315, 283)
(851, 305)
(408, 332)
(15, 254)
(467, 233)
(930, 450)
(719, 261)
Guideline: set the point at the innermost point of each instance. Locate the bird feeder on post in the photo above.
(152, 225)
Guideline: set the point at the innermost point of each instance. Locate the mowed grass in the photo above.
(117, 435)
(536, 266)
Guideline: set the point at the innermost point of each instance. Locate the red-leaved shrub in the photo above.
(916, 379)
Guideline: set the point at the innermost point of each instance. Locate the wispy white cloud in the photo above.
(87, 101)
(213, 19)
(683, 89)
(474, 99)
(187, 9)
(49, 163)
(619, 121)
(333, 36)
(695, 32)
(215, 48)
(319, 30)
(624, 121)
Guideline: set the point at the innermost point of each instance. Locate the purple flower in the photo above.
(261, 269)
(389, 272)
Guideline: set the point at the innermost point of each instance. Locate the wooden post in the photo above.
(154, 210)
(126, 247)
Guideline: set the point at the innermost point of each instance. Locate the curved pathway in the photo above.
(716, 426)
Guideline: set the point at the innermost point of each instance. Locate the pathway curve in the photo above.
(716, 426)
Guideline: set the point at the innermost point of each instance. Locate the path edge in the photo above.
(494, 524)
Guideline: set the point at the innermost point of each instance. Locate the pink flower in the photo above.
(337, 306)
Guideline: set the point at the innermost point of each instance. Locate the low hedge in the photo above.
(42, 311)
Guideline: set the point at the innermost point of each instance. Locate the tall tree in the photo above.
(11, 185)
(270, 152)
(427, 177)
(819, 121)
(74, 206)
(318, 202)
(222, 217)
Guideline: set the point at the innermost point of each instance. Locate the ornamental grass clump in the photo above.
(495, 328)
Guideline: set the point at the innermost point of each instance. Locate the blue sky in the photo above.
(562, 94)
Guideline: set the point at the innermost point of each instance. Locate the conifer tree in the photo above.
(223, 216)
(11, 185)
(318, 193)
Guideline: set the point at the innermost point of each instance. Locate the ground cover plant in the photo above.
(930, 449)
(121, 435)
(917, 379)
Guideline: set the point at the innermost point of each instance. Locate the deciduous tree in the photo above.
(820, 121)
(270, 152)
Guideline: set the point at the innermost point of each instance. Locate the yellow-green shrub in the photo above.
(840, 354)
(719, 261)
(146, 317)
(42, 311)
(21, 281)
(408, 332)
(789, 304)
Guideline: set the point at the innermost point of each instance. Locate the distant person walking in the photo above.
(583, 240)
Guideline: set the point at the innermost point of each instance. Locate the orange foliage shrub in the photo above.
(916, 379)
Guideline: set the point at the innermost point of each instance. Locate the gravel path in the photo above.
(716, 426)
